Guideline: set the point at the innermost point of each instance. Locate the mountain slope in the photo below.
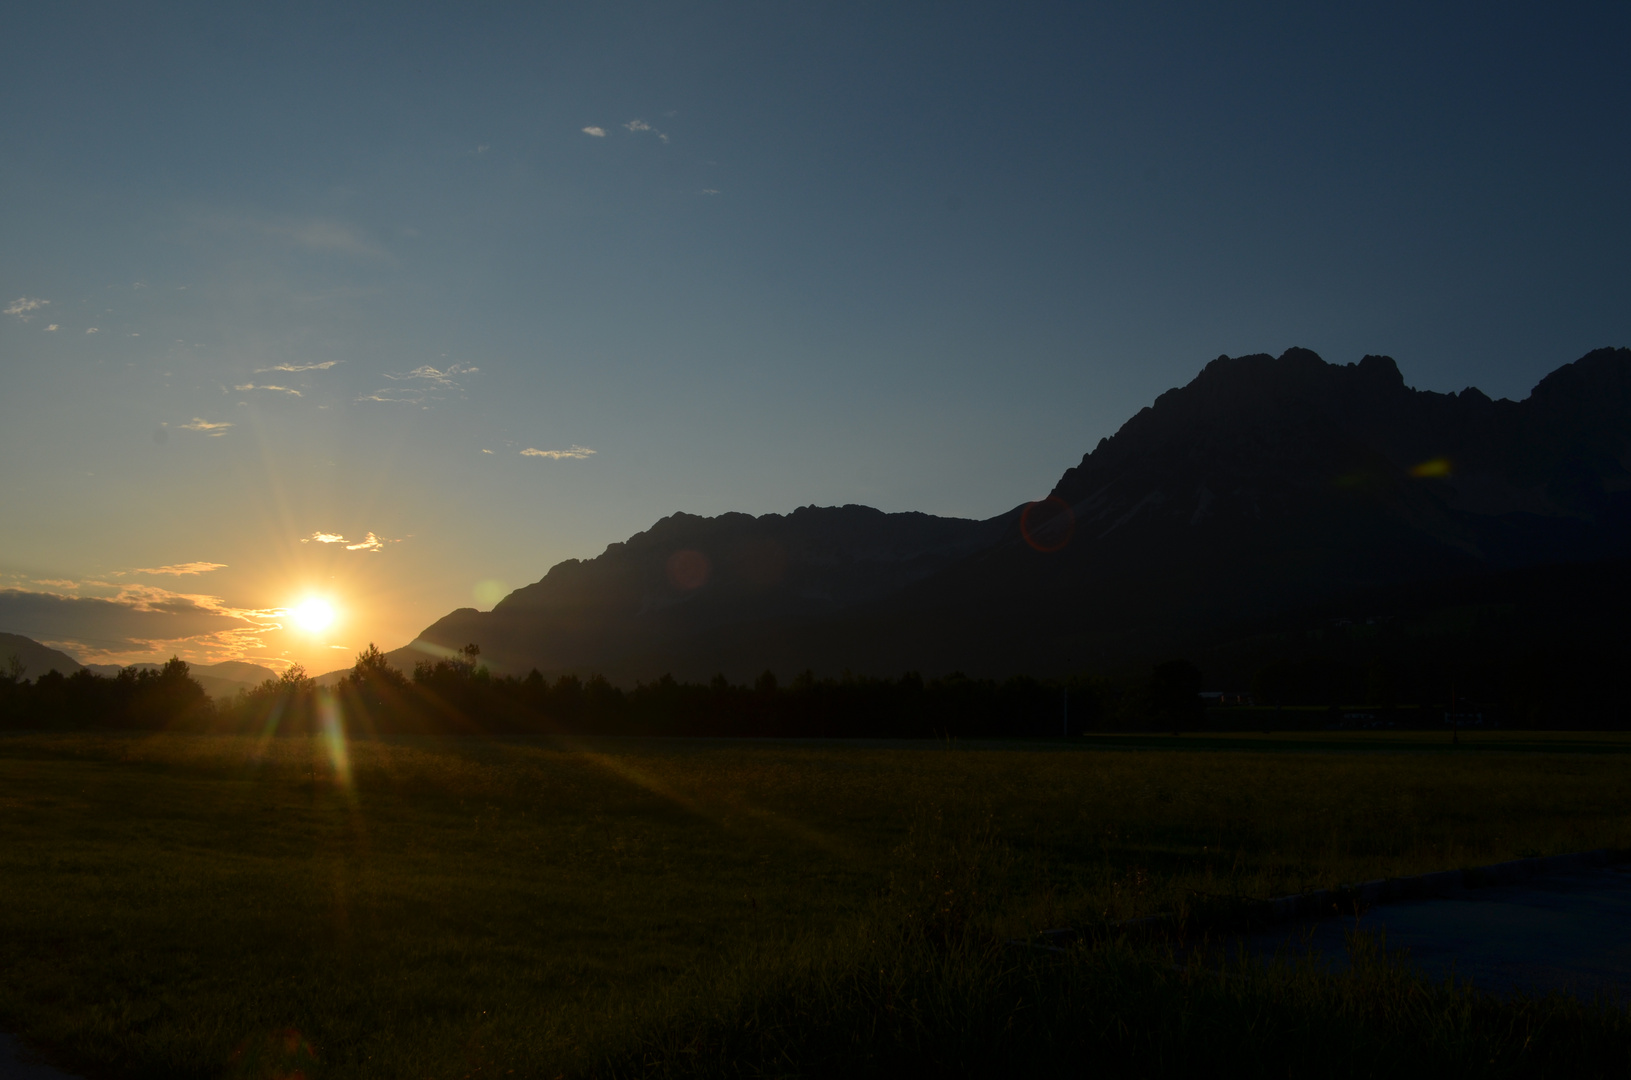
(1265, 484)
(33, 658)
(689, 578)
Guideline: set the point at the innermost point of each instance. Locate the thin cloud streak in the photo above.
(297, 368)
(279, 389)
(207, 427)
(573, 453)
(181, 569)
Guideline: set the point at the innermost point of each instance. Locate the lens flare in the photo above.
(331, 724)
(1047, 525)
(1434, 467)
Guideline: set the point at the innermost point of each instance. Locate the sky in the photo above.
(397, 305)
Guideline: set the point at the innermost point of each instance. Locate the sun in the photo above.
(313, 614)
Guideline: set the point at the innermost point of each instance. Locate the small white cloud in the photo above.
(637, 125)
(573, 453)
(597, 132)
(709, 191)
(182, 569)
(279, 389)
(482, 149)
(487, 451)
(50, 328)
(661, 137)
(24, 307)
(297, 368)
(370, 542)
(208, 427)
(93, 330)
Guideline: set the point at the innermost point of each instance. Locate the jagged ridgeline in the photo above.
(1266, 487)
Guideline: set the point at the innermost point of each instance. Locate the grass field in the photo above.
(207, 906)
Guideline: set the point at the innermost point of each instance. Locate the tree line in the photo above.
(460, 696)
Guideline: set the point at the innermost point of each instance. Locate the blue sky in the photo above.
(914, 256)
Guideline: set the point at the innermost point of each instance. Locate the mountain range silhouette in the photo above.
(1268, 485)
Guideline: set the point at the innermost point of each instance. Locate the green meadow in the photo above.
(202, 906)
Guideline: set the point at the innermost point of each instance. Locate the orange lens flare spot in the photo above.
(688, 570)
(1047, 525)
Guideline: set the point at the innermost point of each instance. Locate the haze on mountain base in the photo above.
(28, 659)
(1265, 485)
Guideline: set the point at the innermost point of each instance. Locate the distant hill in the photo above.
(1267, 484)
(34, 658)
(221, 680)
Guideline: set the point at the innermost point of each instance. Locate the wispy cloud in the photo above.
(135, 623)
(709, 191)
(208, 427)
(182, 569)
(423, 384)
(50, 328)
(93, 330)
(443, 377)
(637, 126)
(369, 542)
(297, 368)
(572, 453)
(391, 396)
(24, 307)
(279, 389)
(597, 132)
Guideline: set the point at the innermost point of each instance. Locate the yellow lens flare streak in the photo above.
(1432, 467)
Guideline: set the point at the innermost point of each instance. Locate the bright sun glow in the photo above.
(313, 615)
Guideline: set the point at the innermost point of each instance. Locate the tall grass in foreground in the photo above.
(929, 984)
(202, 907)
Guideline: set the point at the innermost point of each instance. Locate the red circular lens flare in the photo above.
(688, 569)
(1047, 525)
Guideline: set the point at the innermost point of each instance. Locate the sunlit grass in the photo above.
(174, 906)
